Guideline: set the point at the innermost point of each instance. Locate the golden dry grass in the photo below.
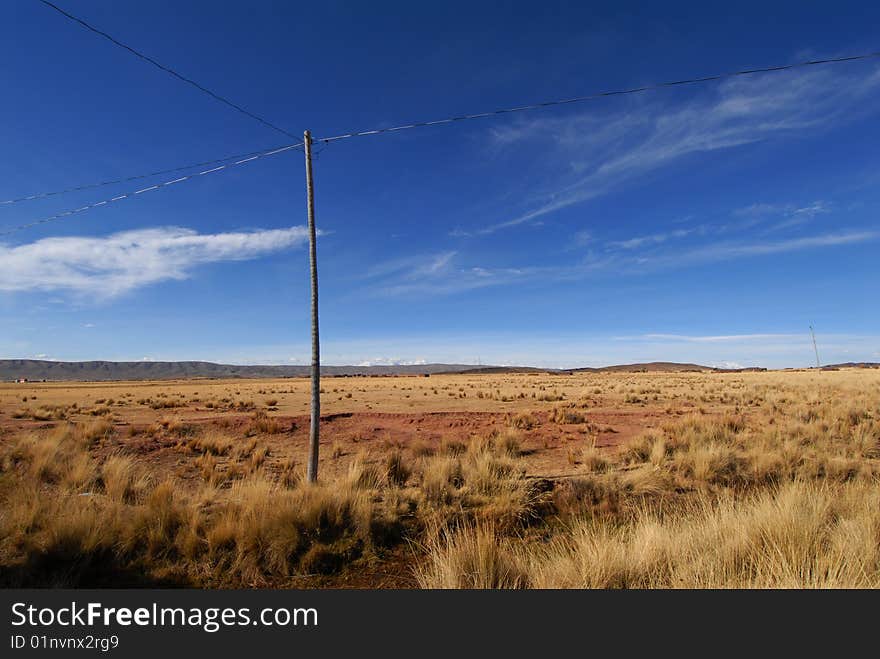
(70, 518)
(745, 480)
(784, 499)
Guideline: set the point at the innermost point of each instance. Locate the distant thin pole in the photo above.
(815, 349)
(312, 474)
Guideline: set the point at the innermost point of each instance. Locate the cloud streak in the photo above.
(602, 152)
(438, 274)
(110, 266)
(442, 274)
(445, 274)
(719, 338)
(726, 251)
(653, 239)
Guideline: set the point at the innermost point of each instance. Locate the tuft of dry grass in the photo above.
(212, 442)
(262, 423)
(473, 557)
(397, 472)
(122, 480)
(523, 421)
(594, 459)
(566, 415)
(421, 448)
(508, 443)
(93, 432)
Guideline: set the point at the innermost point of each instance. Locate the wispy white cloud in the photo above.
(726, 364)
(770, 217)
(411, 267)
(582, 238)
(653, 239)
(438, 274)
(782, 216)
(648, 254)
(392, 361)
(786, 210)
(760, 209)
(718, 338)
(112, 265)
(602, 152)
(726, 251)
(442, 274)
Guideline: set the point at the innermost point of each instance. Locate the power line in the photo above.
(127, 179)
(168, 70)
(598, 95)
(126, 195)
(379, 131)
(327, 140)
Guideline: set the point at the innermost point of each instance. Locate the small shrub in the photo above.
(396, 470)
(523, 421)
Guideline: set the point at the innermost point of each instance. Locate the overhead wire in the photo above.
(598, 95)
(127, 179)
(324, 141)
(65, 214)
(167, 69)
(378, 131)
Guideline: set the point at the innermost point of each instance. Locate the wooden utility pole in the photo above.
(312, 472)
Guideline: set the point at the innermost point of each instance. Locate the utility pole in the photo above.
(312, 472)
(815, 349)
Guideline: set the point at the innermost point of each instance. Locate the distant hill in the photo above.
(648, 367)
(488, 370)
(34, 369)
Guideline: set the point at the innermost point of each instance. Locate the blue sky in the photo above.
(711, 223)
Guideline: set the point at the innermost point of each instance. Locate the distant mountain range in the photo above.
(35, 369)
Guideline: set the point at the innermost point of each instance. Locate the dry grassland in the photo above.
(624, 480)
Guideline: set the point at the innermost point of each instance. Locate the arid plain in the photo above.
(664, 479)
